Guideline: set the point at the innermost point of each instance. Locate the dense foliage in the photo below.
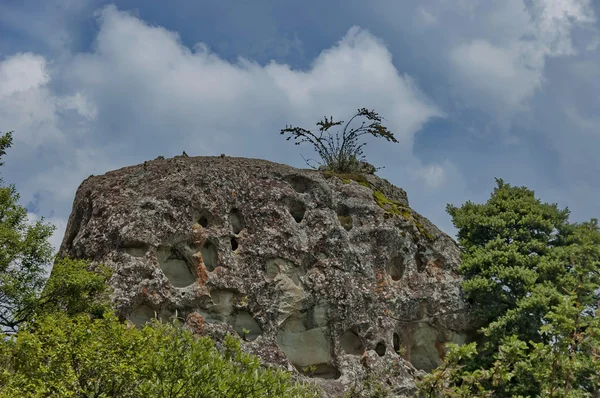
(340, 153)
(25, 255)
(533, 280)
(78, 356)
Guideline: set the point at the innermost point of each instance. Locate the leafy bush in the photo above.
(341, 153)
(62, 356)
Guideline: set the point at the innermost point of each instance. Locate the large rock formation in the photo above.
(330, 275)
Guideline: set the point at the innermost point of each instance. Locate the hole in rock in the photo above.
(346, 222)
(396, 343)
(425, 348)
(244, 322)
(140, 315)
(322, 371)
(209, 255)
(234, 243)
(380, 349)
(135, 249)
(175, 267)
(236, 220)
(395, 268)
(300, 184)
(297, 211)
(420, 261)
(203, 221)
(305, 338)
(351, 343)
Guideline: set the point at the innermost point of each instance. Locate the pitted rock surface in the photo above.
(327, 275)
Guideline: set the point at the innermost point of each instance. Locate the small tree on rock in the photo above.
(341, 153)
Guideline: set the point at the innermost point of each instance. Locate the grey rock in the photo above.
(304, 265)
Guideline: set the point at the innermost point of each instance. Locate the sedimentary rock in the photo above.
(332, 276)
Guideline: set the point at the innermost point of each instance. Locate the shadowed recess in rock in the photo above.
(140, 315)
(396, 342)
(143, 314)
(305, 340)
(297, 210)
(395, 268)
(351, 343)
(135, 249)
(234, 243)
(322, 371)
(380, 349)
(300, 183)
(423, 348)
(209, 256)
(175, 267)
(222, 311)
(203, 221)
(236, 220)
(245, 325)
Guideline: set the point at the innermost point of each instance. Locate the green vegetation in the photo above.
(62, 339)
(25, 254)
(340, 153)
(391, 206)
(533, 280)
(348, 177)
(78, 356)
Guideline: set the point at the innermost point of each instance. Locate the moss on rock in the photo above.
(391, 206)
(349, 177)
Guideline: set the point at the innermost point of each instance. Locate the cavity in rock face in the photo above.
(203, 221)
(306, 340)
(351, 343)
(396, 343)
(424, 350)
(135, 249)
(244, 322)
(140, 315)
(395, 268)
(236, 220)
(345, 218)
(420, 260)
(296, 208)
(380, 349)
(209, 256)
(234, 244)
(300, 183)
(175, 267)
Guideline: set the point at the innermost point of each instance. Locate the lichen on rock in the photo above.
(324, 274)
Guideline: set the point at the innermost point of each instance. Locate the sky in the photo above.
(472, 89)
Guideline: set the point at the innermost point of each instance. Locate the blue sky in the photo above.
(472, 89)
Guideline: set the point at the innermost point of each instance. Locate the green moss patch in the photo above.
(349, 177)
(391, 206)
(396, 208)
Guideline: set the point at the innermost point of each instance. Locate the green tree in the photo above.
(533, 281)
(341, 153)
(78, 356)
(25, 254)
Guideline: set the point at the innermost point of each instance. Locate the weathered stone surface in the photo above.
(328, 274)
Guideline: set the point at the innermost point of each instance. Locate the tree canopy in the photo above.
(533, 280)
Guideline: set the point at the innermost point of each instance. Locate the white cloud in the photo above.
(434, 175)
(141, 93)
(22, 72)
(502, 72)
